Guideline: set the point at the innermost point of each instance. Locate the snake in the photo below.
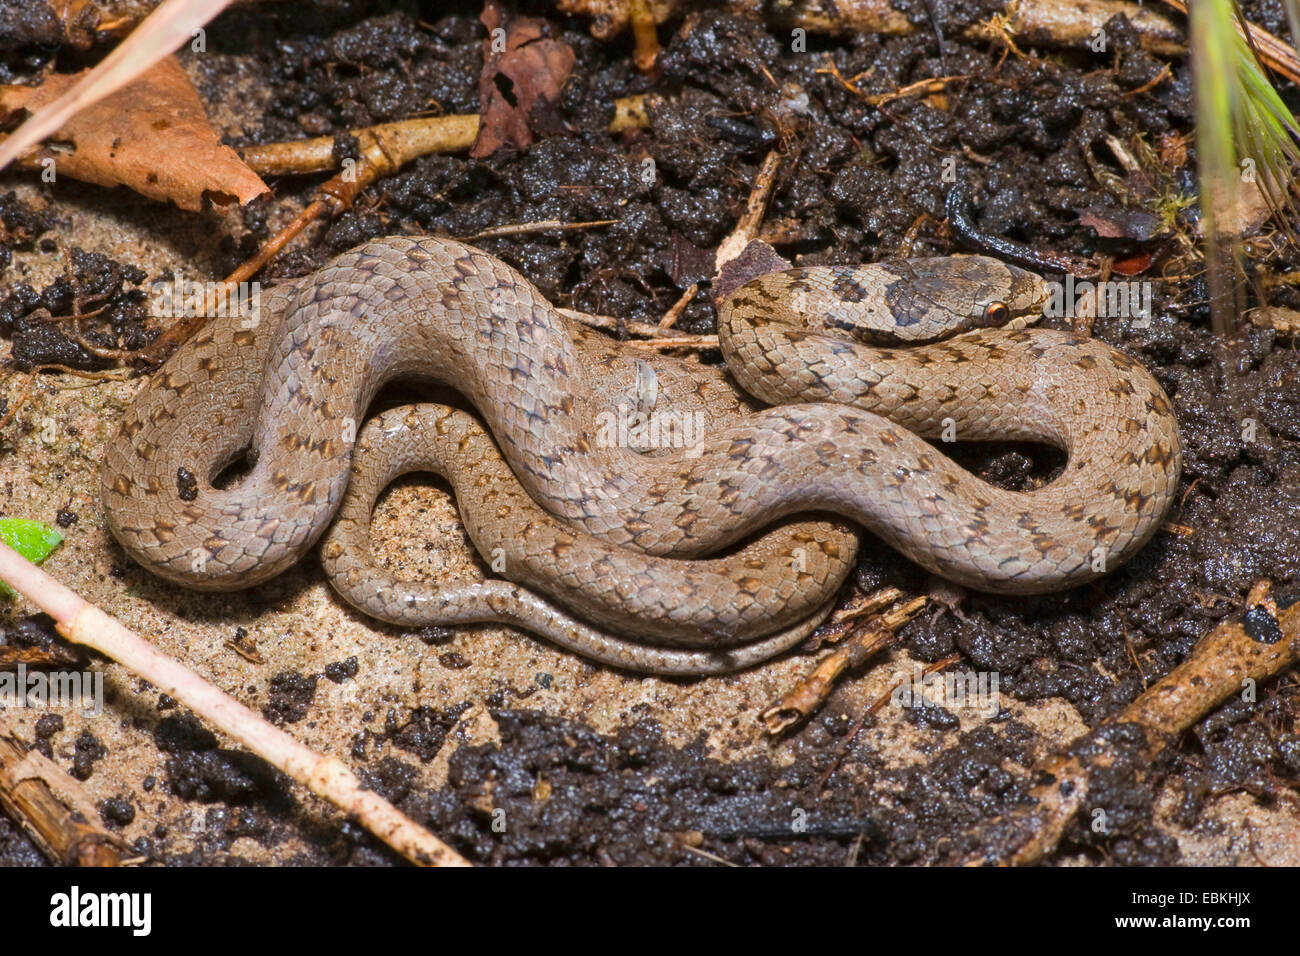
(858, 366)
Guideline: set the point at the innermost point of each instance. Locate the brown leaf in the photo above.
(1111, 222)
(686, 262)
(519, 87)
(1133, 265)
(756, 259)
(151, 135)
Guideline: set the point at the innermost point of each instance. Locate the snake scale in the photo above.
(606, 527)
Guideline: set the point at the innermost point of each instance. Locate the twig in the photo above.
(643, 30)
(672, 315)
(85, 624)
(869, 637)
(934, 85)
(104, 375)
(1264, 642)
(545, 225)
(18, 402)
(418, 136)
(1050, 22)
(54, 809)
(747, 228)
(382, 150)
(683, 341)
(875, 707)
(706, 854)
(608, 323)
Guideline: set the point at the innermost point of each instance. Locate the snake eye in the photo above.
(996, 313)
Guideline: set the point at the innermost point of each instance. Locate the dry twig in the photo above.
(327, 777)
(54, 809)
(864, 639)
(382, 150)
(1264, 642)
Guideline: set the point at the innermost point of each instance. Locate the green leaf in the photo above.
(33, 540)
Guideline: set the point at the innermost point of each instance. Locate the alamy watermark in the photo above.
(1112, 299)
(629, 427)
(952, 690)
(53, 690)
(188, 298)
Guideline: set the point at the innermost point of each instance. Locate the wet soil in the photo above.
(1028, 136)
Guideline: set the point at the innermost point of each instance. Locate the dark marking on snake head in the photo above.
(901, 300)
(846, 286)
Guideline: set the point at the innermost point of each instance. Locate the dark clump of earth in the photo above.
(1027, 135)
(291, 697)
(94, 284)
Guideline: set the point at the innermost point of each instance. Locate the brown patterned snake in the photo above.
(296, 384)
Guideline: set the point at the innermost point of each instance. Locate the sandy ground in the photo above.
(298, 625)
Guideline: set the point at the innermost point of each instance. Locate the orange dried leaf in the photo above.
(151, 135)
(519, 88)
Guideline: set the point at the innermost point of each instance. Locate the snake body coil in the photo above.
(822, 344)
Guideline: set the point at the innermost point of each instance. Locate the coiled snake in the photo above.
(602, 525)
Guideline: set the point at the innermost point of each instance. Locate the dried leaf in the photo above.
(162, 32)
(756, 259)
(1242, 211)
(687, 263)
(152, 135)
(519, 87)
(1112, 222)
(1133, 265)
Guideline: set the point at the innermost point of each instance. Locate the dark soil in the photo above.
(1026, 135)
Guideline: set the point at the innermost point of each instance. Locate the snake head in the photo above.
(946, 295)
(901, 301)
